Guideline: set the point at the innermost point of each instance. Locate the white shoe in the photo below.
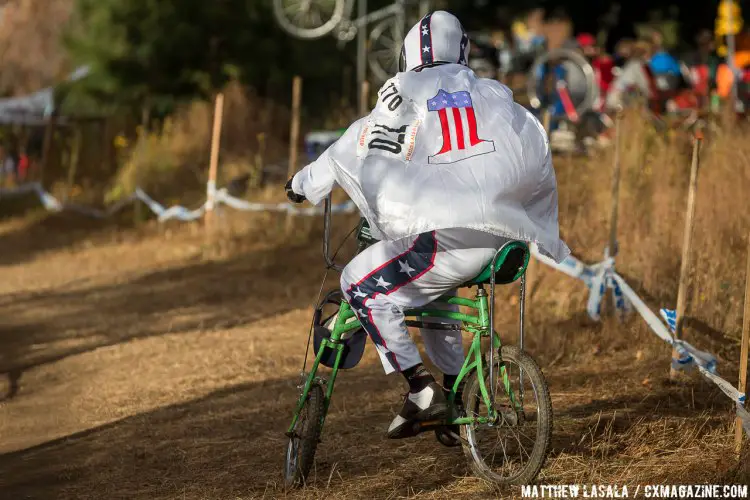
(427, 404)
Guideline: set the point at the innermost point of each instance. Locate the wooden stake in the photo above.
(364, 98)
(74, 158)
(742, 385)
(49, 135)
(294, 135)
(615, 207)
(546, 120)
(294, 128)
(213, 166)
(686, 243)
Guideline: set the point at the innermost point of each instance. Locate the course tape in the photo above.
(163, 213)
(599, 277)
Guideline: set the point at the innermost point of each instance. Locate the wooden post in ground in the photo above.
(686, 243)
(364, 98)
(614, 208)
(742, 386)
(294, 136)
(213, 165)
(74, 159)
(49, 135)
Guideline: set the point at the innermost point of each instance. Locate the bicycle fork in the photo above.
(334, 343)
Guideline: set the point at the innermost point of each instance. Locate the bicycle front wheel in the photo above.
(513, 448)
(300, 451)
(308, 19)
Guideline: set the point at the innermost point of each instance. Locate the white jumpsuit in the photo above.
(445, 169)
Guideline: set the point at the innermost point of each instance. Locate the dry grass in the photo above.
(169, 161)
(159, 364)
(30, 49)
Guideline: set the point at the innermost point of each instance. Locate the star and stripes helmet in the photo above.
(438, 38)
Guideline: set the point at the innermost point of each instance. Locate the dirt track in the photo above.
(150, 365)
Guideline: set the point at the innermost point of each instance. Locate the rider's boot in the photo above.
(425, 401)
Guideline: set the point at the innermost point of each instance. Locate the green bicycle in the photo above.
(496, 382)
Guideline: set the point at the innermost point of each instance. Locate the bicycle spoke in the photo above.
(384, 53)
(506, 461)
(493, 452)
(527, 437)
(522, 449)
(300, 14)
(292, 8)
(388, 42)
(318, 18)
(519, 452)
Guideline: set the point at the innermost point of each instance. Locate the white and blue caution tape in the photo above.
(48, 201)
(670, 317)
(599, 277)
(221, 196)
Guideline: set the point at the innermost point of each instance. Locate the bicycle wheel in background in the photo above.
(308, 19)
(385, 49)
(512, 450)
(300, 452)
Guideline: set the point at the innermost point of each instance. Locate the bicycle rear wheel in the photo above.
(300, 451)
(513, 449)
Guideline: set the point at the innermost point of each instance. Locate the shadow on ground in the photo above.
(43, 327)
(231, 444)
(45, 232)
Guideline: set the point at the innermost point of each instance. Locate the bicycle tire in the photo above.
(575, 58)
(300, 453)
(543, 417)
(384, 51)
(327, 25)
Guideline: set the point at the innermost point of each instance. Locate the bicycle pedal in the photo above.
(429, 424)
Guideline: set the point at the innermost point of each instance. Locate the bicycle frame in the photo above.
(376, 15)
(478, 324)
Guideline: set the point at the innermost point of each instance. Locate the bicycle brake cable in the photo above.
(317, 301)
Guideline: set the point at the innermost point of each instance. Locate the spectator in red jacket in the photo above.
(602, 64)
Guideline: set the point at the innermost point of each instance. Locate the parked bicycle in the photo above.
(311, 19)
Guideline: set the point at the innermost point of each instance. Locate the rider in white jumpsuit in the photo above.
(446, 169)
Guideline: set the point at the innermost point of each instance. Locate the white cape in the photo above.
(445, 149)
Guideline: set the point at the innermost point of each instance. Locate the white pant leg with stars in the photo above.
(392, 276)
